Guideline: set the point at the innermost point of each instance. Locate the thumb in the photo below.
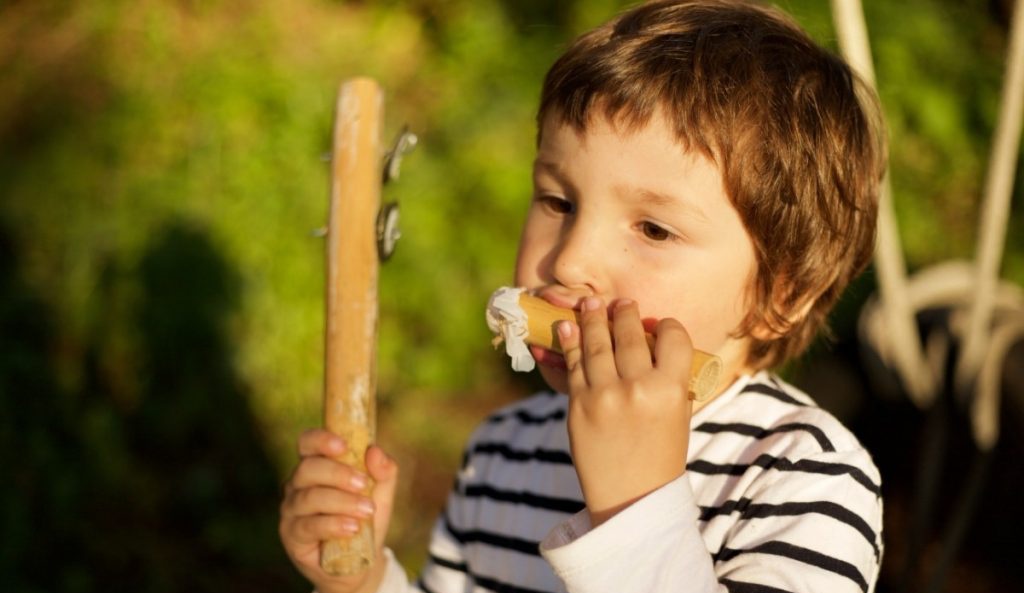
(384, 471)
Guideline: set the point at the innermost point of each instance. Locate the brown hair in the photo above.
(796, 134)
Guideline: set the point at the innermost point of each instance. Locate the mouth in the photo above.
(557, 299)
(548, 358)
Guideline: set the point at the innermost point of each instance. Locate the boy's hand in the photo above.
(629, 415)
(324, 499)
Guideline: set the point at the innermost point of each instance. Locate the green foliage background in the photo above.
(161, 172)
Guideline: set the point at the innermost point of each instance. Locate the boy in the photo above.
(706, 173)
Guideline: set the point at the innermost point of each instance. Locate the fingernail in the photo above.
(564, 329)
(365, 507)
(623, 303)
(358, 481)
(591, 304)
(349, 525)
(336, 444)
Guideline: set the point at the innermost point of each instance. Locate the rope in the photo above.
(986, 314)
(995, 209)
(906, 352)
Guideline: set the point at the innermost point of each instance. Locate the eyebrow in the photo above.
(549, 167)
(650, 197)
(640, 195)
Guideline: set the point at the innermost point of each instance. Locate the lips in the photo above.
(548, 358)
(543, 356)
(552, 294)
(559, 300)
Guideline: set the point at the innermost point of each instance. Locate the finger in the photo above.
(384, 471)
(320, 442)
(322, 471)
(316, 528)
(598, 355)
(673, 351)
(632, 357)
(327, 501)
(569, 338)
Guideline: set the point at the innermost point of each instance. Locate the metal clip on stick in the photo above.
(388, 231)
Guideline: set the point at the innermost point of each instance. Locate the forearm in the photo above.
(801, 534)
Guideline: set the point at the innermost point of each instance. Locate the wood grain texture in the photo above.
(351, 299)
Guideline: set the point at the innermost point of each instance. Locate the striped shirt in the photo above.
(778, 496)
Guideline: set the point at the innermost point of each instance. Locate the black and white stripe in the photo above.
(782, 489)
(759, 432)
(782, 464)
(749, 510)
(801, 554)
(512, 454)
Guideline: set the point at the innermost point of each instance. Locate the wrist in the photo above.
(599, 516)
(377, 572)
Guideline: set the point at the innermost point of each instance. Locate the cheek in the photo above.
(727, 304)
(710, 306)
(524, 257)
(534, 244)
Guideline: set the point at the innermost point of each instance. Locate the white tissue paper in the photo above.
(507, 319)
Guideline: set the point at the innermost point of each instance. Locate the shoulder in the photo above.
(774, 407)
(773, 424)
(776, 474)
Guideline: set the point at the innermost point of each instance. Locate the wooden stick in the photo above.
(351, 324)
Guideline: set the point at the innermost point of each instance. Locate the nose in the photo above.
(576, 261)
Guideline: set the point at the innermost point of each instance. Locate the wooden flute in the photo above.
(521, 319)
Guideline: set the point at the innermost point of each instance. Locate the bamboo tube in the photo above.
(541, 322)
(351, 326)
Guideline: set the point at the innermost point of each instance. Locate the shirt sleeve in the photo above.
(395, 579)
(446, 570)
(811, 524)
(651, 546)
(806, 525)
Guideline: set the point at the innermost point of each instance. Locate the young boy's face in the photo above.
(631, 214)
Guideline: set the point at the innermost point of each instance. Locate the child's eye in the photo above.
(557, 205)
(654, 232)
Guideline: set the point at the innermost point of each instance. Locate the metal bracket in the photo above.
(388, 232)
(404, 144)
